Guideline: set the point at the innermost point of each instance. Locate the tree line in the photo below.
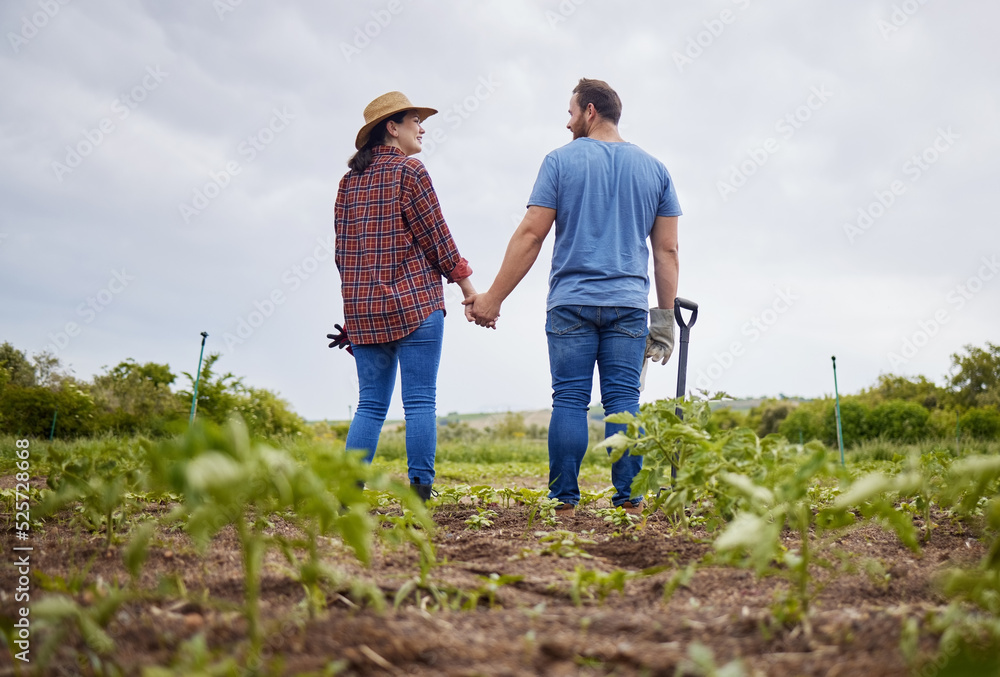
(895, 409)
(38, 398)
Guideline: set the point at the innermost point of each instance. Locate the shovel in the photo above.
(682, 358)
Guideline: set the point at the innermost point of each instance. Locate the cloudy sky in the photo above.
(171, 168)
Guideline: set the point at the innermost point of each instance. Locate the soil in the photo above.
(532, 627)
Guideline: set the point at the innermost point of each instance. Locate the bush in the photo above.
(853, 422)
(771, 415)
(457, 431)
(982, 423)
(29, 411)
(805, 422)
(724, 418)
(268, 415)
(898, 421)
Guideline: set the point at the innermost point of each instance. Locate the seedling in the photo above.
(595, 585)
(617, 516)
(482, 518)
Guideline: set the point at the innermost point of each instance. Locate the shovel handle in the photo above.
(679, 304)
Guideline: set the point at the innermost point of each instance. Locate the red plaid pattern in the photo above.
(393, 248)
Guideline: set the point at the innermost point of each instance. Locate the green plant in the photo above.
(58, 614)
(595, 585)
(193, 657)
(103, 488)
(617, 516)
(562, 543)
(482, 518)
(454, 493)
(490, 586)
(484, 494)
(701, 662)
(981, 423)
(588, 497)
(225, 478)
(679, 579)
(756, 530)
(972, 488)
(544, 509)
(898, 421)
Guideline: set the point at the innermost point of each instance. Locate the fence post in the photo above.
(840, 432)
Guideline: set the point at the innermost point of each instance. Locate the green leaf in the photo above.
(864, 490)
(215, 473)
(137, 549)
(754, 535)
(356, 530)
(624, 418)
(746, 486)
(55, 608)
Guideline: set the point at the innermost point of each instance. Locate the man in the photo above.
(606, 197)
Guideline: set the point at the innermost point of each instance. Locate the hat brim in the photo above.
(362, 137)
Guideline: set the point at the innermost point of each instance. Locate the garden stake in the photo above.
(840, 432)
(194, 397)
(52, 432)
(682, 358)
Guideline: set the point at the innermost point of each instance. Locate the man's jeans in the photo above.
(418, 356)
(579, 336)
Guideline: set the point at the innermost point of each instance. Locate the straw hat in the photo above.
(384, 107)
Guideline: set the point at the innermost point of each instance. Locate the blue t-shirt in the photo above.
(606, 196)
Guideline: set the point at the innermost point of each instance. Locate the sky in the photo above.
(171, 168)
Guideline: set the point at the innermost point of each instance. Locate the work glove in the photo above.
(660, 342)
(340, 339)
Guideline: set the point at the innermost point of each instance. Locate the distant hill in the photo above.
(541, 417)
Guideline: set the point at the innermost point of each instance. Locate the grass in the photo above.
(884, 450)
(494, 462)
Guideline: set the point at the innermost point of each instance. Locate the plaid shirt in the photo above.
(393, 248)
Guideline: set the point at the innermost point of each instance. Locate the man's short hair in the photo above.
(598, 92)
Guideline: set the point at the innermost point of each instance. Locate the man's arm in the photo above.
(666, 264)
(522, 250)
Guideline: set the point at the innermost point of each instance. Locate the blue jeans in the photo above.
(579, 336)
(418, 356)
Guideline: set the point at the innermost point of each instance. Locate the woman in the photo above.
(393, 248)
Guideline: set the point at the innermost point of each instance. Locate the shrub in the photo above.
(771, 415)
(805, 422)
(853, 424)
(29, 411)
(982, 423)
(724, 418)
(898, 421)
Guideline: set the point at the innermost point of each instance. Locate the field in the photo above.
(805, 571)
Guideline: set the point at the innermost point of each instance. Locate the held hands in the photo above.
(482, 309)
(660, 342)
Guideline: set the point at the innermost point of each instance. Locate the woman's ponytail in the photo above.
(360, 161)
